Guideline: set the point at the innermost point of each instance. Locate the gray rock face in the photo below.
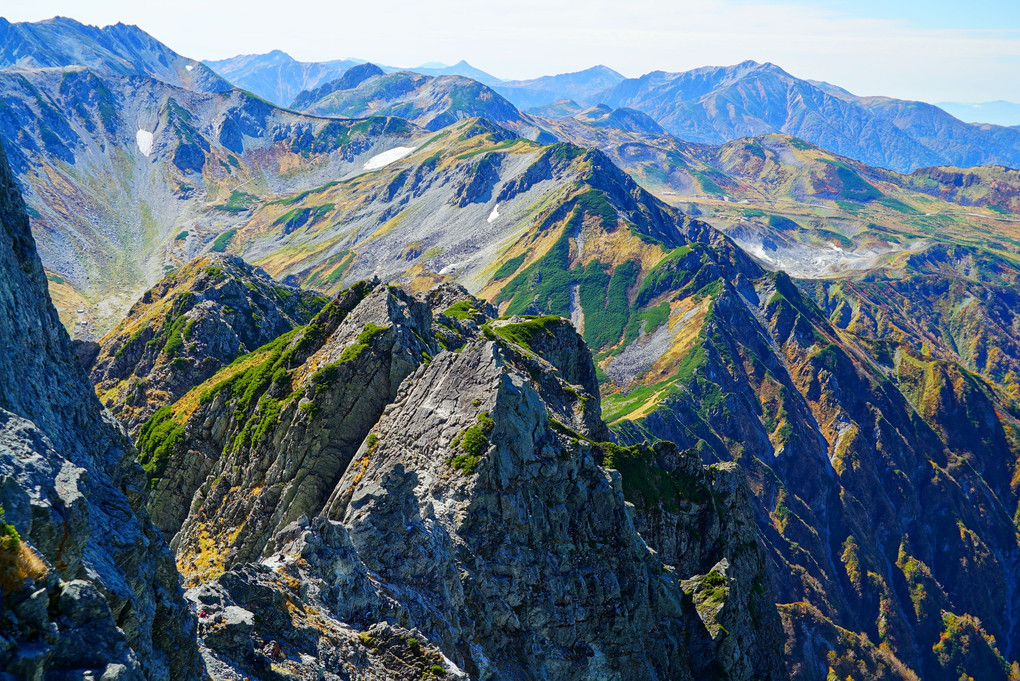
(358, 487)
(529, 566)
(69, 484)
(712, 535)
(275, 453)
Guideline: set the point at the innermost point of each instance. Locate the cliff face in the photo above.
(408, 486)
(90, 586)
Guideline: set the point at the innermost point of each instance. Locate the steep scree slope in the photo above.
(128, 176)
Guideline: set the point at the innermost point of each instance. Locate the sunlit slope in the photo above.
(126, 177)
(810, 212)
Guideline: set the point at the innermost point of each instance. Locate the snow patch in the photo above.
(387, 157)
(494, 214)
(144, 140)
(189, 67)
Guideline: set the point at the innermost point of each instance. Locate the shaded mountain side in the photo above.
(882, 476)
(187, 327)
(126, 177)
(412, 462)
(120, 49)
(698, 345)
(88, 586)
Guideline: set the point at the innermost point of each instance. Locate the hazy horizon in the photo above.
(934, 52)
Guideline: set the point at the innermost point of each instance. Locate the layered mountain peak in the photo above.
(431, 101)
(192, 323)
(718, 104)
(351, 78)
(278, 55)
(118, 49)
(629, 120)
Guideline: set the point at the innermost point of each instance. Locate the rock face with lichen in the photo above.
(88, 585)
(409, 484)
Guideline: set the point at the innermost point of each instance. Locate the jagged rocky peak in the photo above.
(408, 467)
(88, 586)
(195, 321)
(263, 441)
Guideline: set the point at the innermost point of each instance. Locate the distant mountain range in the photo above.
(713, 105)
(717, 104)
(461, 68)
(278, 78)
(583, 87)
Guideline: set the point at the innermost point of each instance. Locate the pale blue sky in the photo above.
(913, 49)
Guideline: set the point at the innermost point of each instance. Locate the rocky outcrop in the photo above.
(192, 323)
(408, 468)
(275, 436)
(89, 586)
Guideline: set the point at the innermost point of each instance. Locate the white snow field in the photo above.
(144, 140)
(387, 157)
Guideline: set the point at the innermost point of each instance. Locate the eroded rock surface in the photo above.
(409, 468)
(90, 588)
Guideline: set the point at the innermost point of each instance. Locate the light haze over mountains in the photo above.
(709, 373)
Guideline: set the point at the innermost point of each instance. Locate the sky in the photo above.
(934, 50)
